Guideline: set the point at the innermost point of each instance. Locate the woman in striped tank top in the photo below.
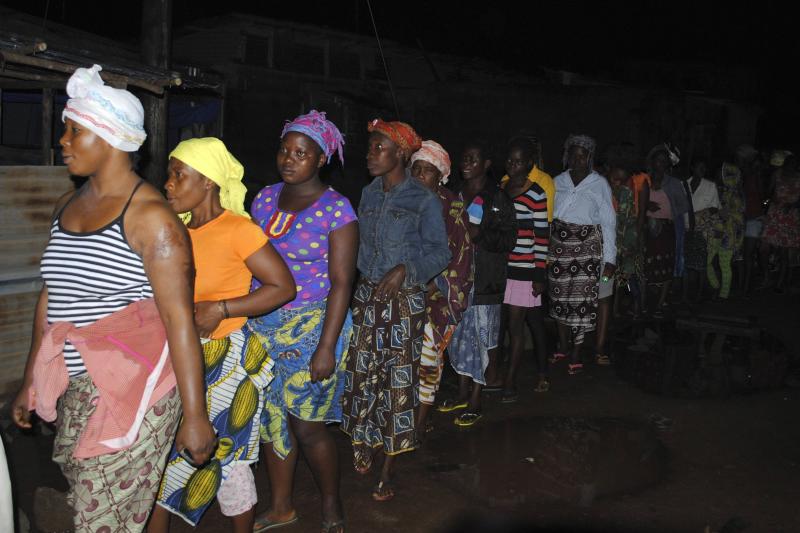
(115, 244)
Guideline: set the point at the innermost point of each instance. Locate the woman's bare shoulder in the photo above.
(150, 218)
(62, 201)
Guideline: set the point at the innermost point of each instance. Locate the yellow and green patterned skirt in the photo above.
(291, 337)
(238, 371)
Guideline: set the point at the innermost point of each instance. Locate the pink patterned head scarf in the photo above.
(321, 130)
(433, 153)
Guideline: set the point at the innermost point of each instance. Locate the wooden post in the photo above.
(47, 127)
(156, 46)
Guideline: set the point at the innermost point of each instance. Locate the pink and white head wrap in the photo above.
(115, 115)
(321, 130)
(433, 153)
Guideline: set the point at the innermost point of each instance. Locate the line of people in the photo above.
(173, 356)
(703, 228)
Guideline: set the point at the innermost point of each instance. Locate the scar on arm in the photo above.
(172, 243)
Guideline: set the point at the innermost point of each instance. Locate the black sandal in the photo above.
(336, 526)
(510, 397)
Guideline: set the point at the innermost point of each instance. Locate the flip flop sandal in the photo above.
(543, 385)
(262, 523)
(509, 397)
(557, 356)
(452, 405)
(333, 527)
(467, 419)
(602, 360)
(574, 369)
(382, 492)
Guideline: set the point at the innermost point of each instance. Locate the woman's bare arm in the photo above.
(20, 413)
(341, 271)
(163, 243)
(19, 408)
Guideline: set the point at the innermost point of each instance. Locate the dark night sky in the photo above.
(582, 36)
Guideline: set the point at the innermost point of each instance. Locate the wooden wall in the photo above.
(27, 197)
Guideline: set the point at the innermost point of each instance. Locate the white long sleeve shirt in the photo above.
(705, 197)
(588, 204)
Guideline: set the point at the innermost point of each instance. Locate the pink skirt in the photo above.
(520, 293)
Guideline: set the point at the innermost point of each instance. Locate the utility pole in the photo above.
(156, 47)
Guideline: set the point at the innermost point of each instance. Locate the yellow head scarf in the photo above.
(210, 157)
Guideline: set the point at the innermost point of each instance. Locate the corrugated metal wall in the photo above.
(27, 197)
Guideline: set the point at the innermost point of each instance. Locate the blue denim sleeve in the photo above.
(434, 253)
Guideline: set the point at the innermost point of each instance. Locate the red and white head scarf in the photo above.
(436, 155)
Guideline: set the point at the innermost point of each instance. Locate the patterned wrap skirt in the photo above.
(576, 253)
(782, 227)
(659, 257)
(695, 250)
(431, 363)
(475, 335)
(291, 337)
(238, 370)
(113, 492)
(382, 376)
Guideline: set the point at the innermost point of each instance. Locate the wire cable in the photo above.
(383, 59)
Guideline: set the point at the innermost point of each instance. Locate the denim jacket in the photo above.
(401, 226)
(678, 202)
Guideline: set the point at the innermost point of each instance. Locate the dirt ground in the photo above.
(730, 463)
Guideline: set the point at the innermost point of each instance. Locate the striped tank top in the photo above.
(90, 276)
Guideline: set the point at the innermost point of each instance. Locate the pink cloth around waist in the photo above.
(127, 357)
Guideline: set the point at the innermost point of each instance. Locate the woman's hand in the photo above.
(207, 316)
(391, 283)
(323, 363)
(20, 413)
(196, 436)
(538, 288)
(609, 270)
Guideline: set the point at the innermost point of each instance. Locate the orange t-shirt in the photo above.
(637, 182)
(220, 249)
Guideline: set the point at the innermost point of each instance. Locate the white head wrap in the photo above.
(582, 141)
(671, 151)
(435, 154)
(114, 114)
